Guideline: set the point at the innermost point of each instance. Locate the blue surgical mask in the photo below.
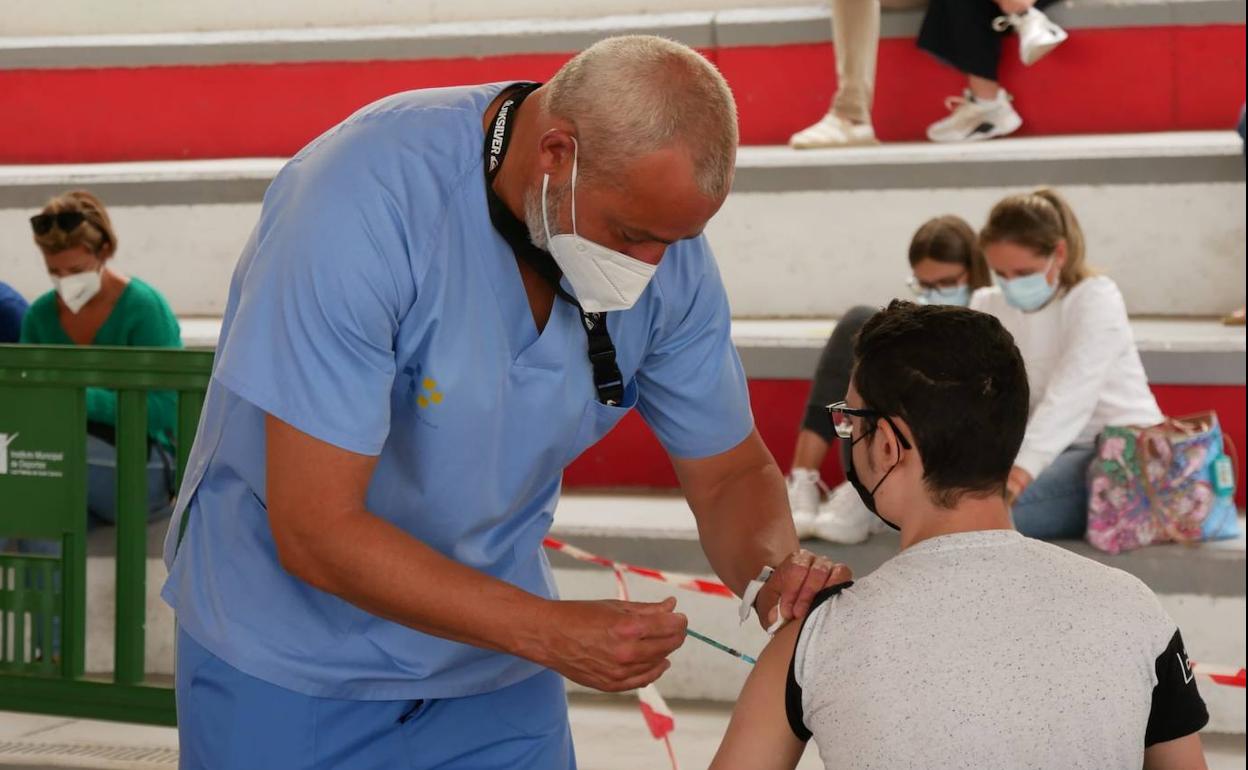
(1028, 292)
(959, 295)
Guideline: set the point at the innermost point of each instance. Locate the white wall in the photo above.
(1173, 249)
(83, 17)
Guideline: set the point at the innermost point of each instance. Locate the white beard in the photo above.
(533, 213)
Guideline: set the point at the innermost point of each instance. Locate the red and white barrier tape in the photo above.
(1227, 676)
(687, 582)
(1223, 675)
(659, 718)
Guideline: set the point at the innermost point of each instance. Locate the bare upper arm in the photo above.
(1184, 753)
(701, 478)
(309, 484)
(759, 736)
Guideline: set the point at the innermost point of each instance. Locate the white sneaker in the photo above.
(843, 518)
(805, 491)
(1037, 35)
(972, 120)
(833, 131)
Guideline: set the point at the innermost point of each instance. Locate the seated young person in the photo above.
(975, 646)
(1083, 367)
(946, 266)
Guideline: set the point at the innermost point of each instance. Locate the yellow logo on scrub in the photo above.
(429, 394)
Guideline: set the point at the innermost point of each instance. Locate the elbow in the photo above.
(297, 551)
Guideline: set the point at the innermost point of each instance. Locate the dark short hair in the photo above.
(957, 379)
(951, 240)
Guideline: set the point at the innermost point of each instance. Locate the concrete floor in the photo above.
(609, 734)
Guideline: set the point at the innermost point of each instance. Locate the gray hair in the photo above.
(635, 94)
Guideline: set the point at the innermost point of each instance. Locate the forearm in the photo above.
(376, 566)
(745, 523)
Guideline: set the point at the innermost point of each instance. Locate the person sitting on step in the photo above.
(1084, 368)
(947, 266)
(95, 304)
(974, 646)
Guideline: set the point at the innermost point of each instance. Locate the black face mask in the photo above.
(851, 475)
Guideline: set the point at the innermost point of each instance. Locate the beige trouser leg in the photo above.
(856, 39)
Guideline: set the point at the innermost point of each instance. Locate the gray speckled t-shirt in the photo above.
(988, 649)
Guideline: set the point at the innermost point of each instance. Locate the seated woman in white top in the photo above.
(1082, 364)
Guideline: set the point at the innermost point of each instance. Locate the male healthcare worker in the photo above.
(413, 350)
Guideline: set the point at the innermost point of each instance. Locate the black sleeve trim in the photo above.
(1178, 710)
(792, 690)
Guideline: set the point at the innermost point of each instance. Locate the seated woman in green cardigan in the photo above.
(94, 304)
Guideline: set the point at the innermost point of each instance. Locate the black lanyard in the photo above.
(608, 382)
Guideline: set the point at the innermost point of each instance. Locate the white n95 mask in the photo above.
(602, 279)
(77, 290)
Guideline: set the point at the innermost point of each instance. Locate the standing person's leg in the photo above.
(830, 384)
(527, 730)
(856, 39)
(961, 34)
(228, 720)
(855, 42)
(1055, 505)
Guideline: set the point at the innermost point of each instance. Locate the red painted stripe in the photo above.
(1100, 81)
(631, 457)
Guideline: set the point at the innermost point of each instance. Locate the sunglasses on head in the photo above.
(65, 221)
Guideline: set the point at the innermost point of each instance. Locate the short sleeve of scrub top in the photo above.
(313, 345)
(692, 390)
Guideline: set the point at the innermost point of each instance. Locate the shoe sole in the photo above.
(833, 145)
(1039, 52)
(1005, 129)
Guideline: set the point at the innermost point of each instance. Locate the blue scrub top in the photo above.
(376, 308)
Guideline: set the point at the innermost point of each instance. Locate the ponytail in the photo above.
(1040, 220)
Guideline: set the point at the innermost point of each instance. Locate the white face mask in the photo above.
(77, 290)
(602, 279)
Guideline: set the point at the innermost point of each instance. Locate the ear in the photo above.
(886, 448)
(1059, 255)
(555, 152)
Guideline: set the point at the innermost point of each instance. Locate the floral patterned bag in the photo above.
(1168, 482)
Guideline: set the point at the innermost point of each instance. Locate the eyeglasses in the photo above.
(840, 412)
(65, 221)
(919, 287)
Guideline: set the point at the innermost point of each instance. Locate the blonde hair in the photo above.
(96, 232)
(1040, 220)
(635, 94)
(951, 240)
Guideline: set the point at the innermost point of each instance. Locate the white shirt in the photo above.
(991, 650)
(1082, 366)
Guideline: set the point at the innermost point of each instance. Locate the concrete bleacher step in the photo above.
(1192, 365)
(231, 85)
(1203, 588)
(1174, 351)
(803, 234)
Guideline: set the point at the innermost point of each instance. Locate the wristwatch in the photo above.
(751, 593)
